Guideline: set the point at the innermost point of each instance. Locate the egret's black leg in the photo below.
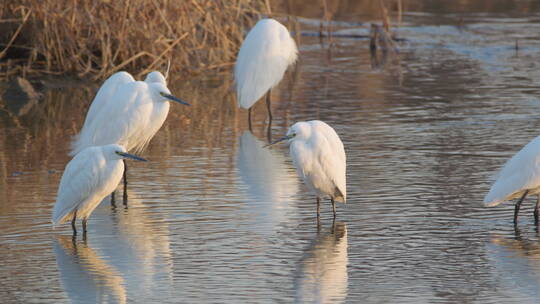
(536, 210)
(268, 106)
(333, 206)
(73, 223)
(113, 201)
(518, 205)
(125, 183)
(84, 226)
(249, 119)
(318, 208)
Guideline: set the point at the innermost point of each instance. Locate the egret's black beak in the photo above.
(127, 155)
(174, 98)
(287, 137)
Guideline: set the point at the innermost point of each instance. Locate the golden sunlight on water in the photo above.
(216, 217)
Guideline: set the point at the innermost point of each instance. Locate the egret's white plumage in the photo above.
(519, 177)
(264, 57)
(130, 117)
(104, 95)
(319, 158)
(519, 174)
(88, 178)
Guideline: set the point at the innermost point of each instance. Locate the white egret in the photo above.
(519, 177)
(128, 113)
(319, 158)
(262, 60)
(88, 178)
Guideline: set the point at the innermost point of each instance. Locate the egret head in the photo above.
(298, 131)
(155, 76)
(161, 92)
(119, 152)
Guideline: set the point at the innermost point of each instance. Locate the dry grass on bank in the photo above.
(99, 37)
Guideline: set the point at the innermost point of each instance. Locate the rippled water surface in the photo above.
(215, 217)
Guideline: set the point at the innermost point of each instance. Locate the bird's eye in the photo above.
(161, 93)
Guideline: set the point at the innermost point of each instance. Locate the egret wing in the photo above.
(331, 155)
(103, 96)
(116, 121)
(520, 173)
(106, 92)
(79, 180)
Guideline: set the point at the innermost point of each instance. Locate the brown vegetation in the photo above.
(97, 38)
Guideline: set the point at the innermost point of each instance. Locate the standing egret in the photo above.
(262, 60)
(88, 178)
(131, 116)
(319, 158)
(519, 177)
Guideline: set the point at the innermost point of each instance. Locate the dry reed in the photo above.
(97, 38)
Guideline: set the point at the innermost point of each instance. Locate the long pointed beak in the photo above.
(174, 98)
(278, 140)
(127, 155)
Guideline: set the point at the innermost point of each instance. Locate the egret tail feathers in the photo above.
(60, 218)
(492, 203)
(338, 196)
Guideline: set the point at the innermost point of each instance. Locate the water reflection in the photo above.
(87, 277)
(322, 273)
(127, 251)
(270, 184)
(137, 243)
(420, 152)
(517, 264)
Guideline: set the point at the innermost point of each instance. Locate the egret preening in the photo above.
(319, 158)
(88, 178)
(262, 60)
(126, 112)
(519, 177)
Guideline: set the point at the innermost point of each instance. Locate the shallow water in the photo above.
(215, 217)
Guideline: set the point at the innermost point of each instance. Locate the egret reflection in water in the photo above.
(134, 246)
(137, 243)
(271, 185)
(322, 272)
(85, 275)
(517, 264)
